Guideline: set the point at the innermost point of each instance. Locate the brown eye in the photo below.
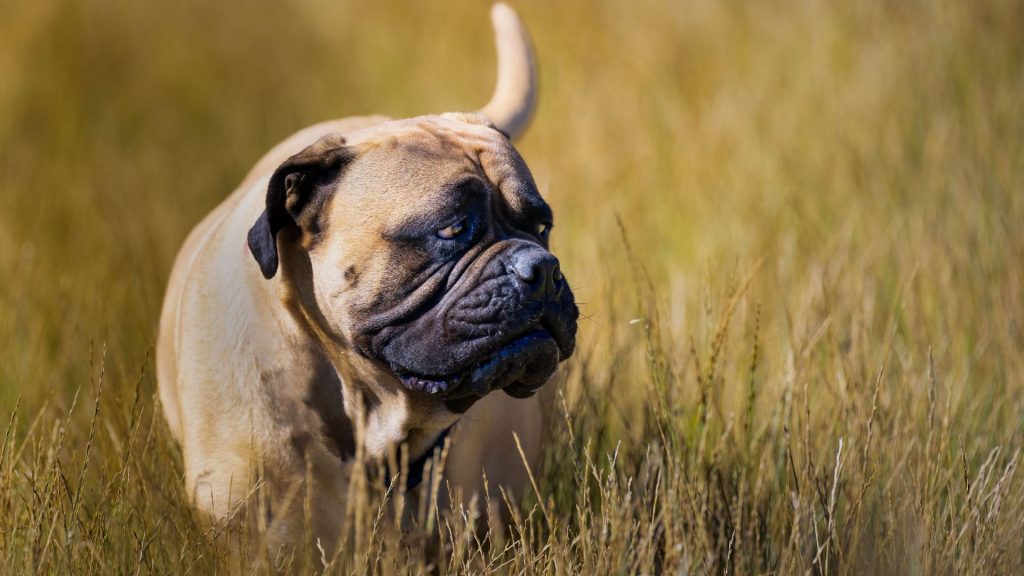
(543, 229)
(451, 231)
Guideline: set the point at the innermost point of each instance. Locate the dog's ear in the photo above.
(297, 190)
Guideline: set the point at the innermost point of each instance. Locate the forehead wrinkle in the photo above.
(510, 176)
(458, 131)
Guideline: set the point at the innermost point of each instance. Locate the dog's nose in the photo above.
(539, 270)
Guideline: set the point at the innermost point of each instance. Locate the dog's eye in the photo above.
(543, 229)
(452, 231)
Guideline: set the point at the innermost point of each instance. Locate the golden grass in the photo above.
(794, 228)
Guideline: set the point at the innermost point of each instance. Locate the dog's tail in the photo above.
(515, 95)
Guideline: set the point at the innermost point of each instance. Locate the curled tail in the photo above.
(515, 94)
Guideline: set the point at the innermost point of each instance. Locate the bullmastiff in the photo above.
(372, 284)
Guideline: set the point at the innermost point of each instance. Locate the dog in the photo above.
(370, 284)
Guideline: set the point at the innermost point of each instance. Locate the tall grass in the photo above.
(794, 228)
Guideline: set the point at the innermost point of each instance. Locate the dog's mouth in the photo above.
(519, 367)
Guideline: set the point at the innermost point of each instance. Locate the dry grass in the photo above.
(794, 226)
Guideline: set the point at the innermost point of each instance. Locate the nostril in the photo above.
(524, 269)
(539, 271)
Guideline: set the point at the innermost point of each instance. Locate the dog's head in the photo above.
(422, 246)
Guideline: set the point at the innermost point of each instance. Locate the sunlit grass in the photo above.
(794, 229)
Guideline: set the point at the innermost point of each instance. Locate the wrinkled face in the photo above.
(430, 257)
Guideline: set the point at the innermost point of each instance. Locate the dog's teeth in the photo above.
(425, 385)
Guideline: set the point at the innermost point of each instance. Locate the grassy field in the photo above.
(794, 228)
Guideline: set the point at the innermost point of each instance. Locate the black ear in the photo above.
(297, 188)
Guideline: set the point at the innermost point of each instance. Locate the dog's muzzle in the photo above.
(507, 327)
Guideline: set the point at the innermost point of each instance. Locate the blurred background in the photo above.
(842, 181)
(720, 132)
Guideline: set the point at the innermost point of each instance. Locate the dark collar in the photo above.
(415, 475)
